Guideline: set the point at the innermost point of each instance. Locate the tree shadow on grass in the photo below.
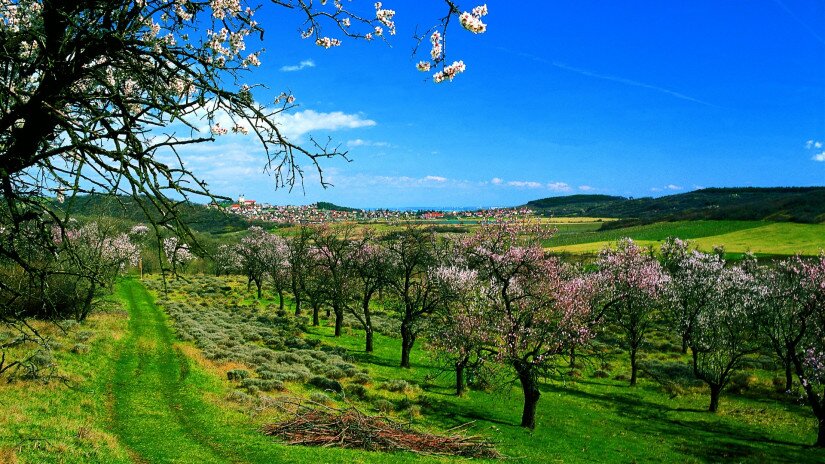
(701, 435)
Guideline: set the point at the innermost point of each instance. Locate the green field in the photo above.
(143, 395)
(762, 238)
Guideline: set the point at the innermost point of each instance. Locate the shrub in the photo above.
(240, 397)
(326, 384)
(361, 378)
(600, 374)
(80, 348)
(357, 391)
(263, 384)
(42, 359)
(321, 398)
(399, 386)
(384, 406)
(740, 382)
(237, 374)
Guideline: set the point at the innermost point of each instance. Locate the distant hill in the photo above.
(791, 204)
(198, 217)
(333, 207)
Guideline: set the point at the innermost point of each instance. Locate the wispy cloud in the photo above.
(297, 67)
(366, 143)
(799, 20)
(559, 187)
(608, 77)
(630, 82)
(496, 181)
(586, 188)
(671, 187)
(816, 145)
(435, 178)
(524, 184)
(300, 123)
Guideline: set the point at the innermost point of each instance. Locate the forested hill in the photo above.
(793, 204)
(198, 217)
(333, 207)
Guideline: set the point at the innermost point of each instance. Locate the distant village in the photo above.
(313, 214)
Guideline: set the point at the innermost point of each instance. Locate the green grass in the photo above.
(765, 238)
(65, 421)
(144, 391)
(170, 409)
(603, 420)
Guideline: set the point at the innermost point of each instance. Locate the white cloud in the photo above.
(559, 187)
(655, 189)
(819, 156)
(299, 66)
(496, 181)
(522, 183)
(673, 187)
(366, 143)
(295, 125)
(436, 178)
(585, 188)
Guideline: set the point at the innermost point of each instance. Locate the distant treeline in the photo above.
(198, 217)
(789, 204)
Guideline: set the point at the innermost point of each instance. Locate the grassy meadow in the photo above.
(759, 237)
(153, 387)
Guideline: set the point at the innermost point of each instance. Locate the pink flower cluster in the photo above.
(327, 42)
(472, 20)
(385, 16)
(449, 72)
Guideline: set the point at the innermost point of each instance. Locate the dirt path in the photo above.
(148, 416)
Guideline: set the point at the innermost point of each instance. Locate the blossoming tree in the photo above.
(632, 282)
(725, 329)
(369, 271)
(533, 311)
(692, 285)
(458, 330)
(254, 252)
(809, 356)
(104, 96)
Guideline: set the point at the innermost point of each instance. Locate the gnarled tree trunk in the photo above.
(530, 387)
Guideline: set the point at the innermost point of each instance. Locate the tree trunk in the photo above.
(530, 387)
(572, 356)
(369, 348)
(296, 295)
(407, 342)
(634, 367)
(315, 319)
(684, 343)
(339, 320)
(281, 299)
(87, 303)
(715, 391)
(788, 376)
(365, 308)
(327, 312)
(459, 376)
(820, 441)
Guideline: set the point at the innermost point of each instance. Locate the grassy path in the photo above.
(148, 412)
(161, 410)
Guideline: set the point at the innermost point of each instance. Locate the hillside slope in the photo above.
(791, 204)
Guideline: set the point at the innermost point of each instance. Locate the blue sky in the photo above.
(632, 98)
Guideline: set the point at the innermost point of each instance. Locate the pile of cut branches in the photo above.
(350, 428)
